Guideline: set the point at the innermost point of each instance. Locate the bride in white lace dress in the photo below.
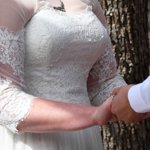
(56, 61)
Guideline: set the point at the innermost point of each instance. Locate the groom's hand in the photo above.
(121, 107)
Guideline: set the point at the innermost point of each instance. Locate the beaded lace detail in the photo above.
(14, 103)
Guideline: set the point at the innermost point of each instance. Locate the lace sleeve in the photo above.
(14, 103)
(103, 78)
(97, 9)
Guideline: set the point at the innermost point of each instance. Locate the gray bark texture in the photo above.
(128, 26)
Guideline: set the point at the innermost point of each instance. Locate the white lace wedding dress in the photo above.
(68, 58)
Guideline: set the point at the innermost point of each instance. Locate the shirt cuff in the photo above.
(137, 101)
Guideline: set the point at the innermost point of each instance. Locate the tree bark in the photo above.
(128, 25)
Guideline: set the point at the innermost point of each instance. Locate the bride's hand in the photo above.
(103, 113)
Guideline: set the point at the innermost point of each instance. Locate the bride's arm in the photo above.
(48, 116)
(19, 110)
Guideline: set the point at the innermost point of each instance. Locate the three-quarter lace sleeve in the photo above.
(103, 77)
(14, 103)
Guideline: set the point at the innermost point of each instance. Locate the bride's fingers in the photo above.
(108, 102)
(115, 91)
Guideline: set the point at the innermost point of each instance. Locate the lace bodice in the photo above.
(53, 55)
(68, 46)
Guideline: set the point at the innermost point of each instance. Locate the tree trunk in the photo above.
(128, 25)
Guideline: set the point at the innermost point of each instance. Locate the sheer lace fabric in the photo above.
(103, 77)
(14, 16)
(50, 55)
(12, 54)
(14, 103)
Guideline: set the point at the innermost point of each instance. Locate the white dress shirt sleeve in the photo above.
(139, 96)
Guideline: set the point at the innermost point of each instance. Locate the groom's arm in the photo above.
(131, 103)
